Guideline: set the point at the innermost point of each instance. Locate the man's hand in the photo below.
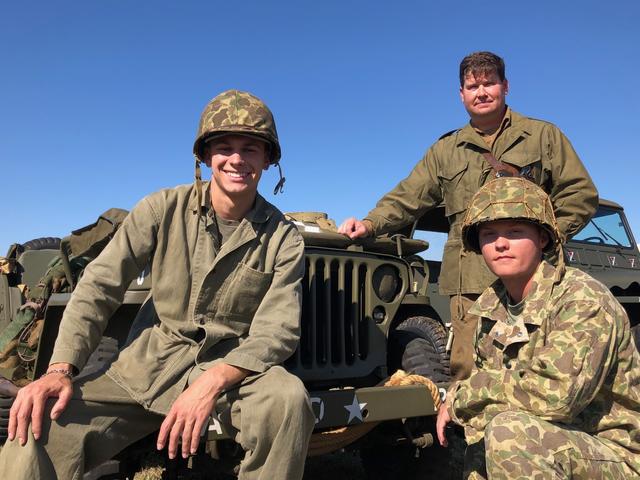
(354, 228)
(191, 410)
(441, 423)
(28, 407)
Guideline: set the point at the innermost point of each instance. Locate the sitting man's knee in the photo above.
(289, 394)
(508, 429)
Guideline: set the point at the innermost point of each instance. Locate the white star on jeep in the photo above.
(355, 409)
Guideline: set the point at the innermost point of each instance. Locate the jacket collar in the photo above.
(248, 228)
(515, 127)
(259, 213)
(493, 301)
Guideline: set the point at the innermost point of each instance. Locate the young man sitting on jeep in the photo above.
(224, 313)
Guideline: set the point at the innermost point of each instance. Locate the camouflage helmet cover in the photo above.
(510, 198)
(239, 113)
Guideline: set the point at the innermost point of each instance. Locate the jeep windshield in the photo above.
(607, 227)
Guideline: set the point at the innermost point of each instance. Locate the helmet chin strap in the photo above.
(280, 185)
(561, 266)
(198, 180)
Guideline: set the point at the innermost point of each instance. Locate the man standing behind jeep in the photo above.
(224, 313)
(496, 142)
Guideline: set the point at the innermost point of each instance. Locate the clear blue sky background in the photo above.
(99, 100)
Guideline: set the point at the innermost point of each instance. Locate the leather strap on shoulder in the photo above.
(501, 169)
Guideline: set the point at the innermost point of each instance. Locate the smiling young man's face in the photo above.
(512, 249)
(236, 163)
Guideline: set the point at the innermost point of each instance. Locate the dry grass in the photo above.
(149, 473)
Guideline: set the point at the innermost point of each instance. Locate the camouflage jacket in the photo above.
(453, 170)
(240, 305)
(570, 359)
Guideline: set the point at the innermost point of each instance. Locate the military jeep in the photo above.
(370, 307)
(606, 249)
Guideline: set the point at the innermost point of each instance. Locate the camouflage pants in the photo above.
(464, 331)
(518, 445)
(269, 415)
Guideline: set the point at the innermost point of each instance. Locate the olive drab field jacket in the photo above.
(569, 358)
(454, 169)
(240, 305)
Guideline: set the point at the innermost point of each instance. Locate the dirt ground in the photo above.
(334, 466)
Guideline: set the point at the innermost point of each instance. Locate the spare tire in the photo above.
(42, 243)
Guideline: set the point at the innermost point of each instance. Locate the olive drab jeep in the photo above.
(370, 308)
(366, 314)
(606, 249)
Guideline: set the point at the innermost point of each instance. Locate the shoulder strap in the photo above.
(448, 134)
(501, 169)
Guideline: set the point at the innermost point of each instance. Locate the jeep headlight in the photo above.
(386, 282)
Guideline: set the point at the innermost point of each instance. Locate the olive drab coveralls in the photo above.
(453, 170)
(239, 305)
(555, 392)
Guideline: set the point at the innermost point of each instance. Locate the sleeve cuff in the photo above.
(68, 356)
(242, 360)
(451, 396)
(371, 226)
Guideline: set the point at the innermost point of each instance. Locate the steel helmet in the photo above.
(239, 113)
(510, 198)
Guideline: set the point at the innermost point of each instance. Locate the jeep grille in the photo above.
(337, 327)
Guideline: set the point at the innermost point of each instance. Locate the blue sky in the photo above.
(99, 100)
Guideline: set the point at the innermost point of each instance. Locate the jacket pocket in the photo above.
(150, 358)
(530, 166)
(454, 189)
(244, 293)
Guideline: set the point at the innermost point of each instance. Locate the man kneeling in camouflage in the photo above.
(224, 312)
(555, 391)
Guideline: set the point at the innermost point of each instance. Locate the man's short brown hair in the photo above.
(481, 63)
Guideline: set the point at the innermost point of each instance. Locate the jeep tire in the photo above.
(418, 346)
(42, 243)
